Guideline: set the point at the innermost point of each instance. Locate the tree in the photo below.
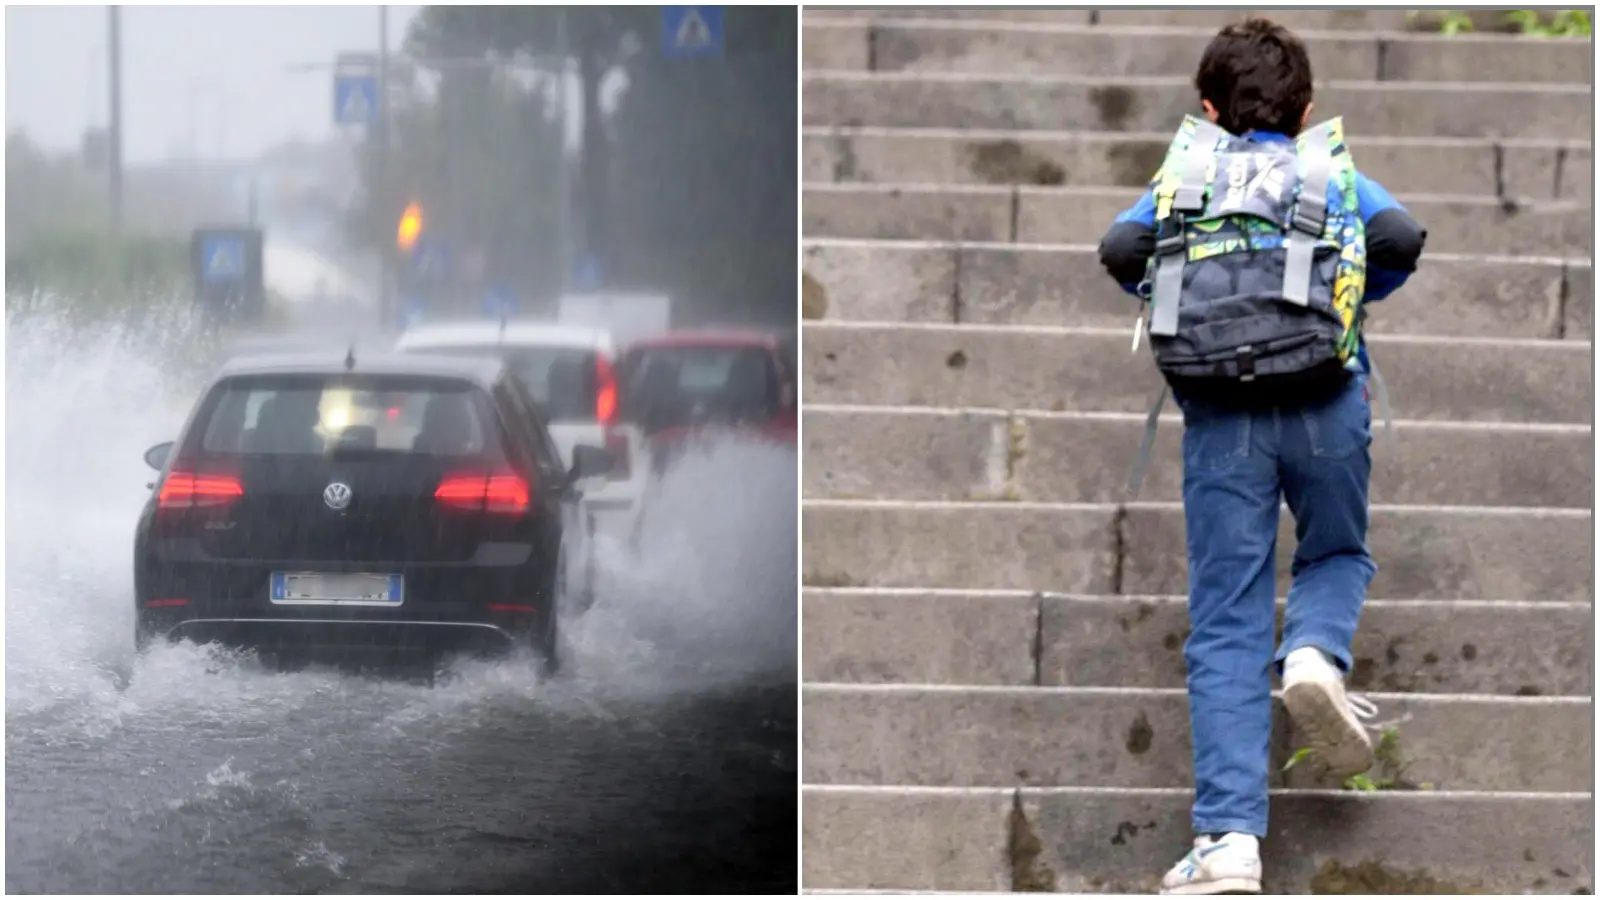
(690, 188)
(707, 170)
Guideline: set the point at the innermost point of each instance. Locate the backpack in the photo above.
(1260, 263)
(1255, 286)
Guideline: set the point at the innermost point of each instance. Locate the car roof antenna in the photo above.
(350, 357)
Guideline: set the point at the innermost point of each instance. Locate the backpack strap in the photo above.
(1384, 409)
(1146, 443)
(1189, 198)
(1309, 216)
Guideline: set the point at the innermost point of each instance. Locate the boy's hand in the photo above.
(1125, 252)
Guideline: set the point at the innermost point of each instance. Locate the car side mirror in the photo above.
(589, 461)
(156, 456)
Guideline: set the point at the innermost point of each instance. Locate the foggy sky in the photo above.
(227, 63)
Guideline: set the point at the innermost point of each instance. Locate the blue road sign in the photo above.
(221, 259)
(688, 32)
(355, 99)
(412, 311)
(586, 274)
(430, 259)
(499, 302)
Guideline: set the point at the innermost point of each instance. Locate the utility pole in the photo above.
(563, 163)
(114, 50)
(380, 201)
(594, 152)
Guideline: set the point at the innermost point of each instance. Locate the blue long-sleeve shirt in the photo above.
(1394, 240)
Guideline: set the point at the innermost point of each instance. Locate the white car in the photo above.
(570, 371)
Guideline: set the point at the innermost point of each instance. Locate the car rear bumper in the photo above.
(345, 637)
(231, 602)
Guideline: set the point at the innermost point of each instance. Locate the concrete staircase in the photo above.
(993, 636)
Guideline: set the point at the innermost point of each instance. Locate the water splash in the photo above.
(708, 600)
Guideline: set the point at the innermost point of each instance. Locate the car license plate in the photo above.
(336, 589)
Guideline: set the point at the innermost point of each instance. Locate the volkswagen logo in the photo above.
(336, 495)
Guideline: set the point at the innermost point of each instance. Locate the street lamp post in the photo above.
(114, 52)
(381, 196)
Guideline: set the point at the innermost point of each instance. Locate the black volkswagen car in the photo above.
(331, 505)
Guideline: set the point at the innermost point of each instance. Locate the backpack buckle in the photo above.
(1308, 221)
(1190, 198)
(1246, 356)
(1170, 238)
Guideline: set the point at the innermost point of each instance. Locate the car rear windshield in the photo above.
(564, 381)
(717, 379)
(318, 414)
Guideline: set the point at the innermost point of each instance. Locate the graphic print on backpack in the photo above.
(1260, 264)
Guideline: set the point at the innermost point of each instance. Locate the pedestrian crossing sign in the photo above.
(691, 31)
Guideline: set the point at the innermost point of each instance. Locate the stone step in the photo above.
(1524, 168)
(1019, 638)
(1297, 19)
(1055, 285)
(1087, 369)
(1122, 840)
(1139, 738)
(1081, 215)
(1348, 19)
(815, 14)
(959, 100)
(1036, 48)
(916, 453)
(1138, 548)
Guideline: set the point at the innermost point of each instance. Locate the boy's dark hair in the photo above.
(1258, 76)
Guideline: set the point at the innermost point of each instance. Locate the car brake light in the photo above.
(501, 492)
(167, 602)
(605, 391)
(183, 490)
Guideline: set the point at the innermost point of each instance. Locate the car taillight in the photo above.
(617, 446)
(501, 492)
(185, 490)
(605, 391)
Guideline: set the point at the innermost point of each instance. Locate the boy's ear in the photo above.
(1306, 117)
(1211, 111)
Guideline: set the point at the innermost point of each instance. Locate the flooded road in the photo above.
(663, 761)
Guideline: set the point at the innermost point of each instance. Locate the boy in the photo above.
(1245, 447)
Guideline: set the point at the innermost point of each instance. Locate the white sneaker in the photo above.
(1314, 695)
(1230, 864)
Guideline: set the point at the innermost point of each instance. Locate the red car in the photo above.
(685, 384)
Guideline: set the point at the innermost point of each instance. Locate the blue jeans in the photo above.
(1236, 467)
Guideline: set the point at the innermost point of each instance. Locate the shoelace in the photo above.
(1366, 710)
(1361, 706)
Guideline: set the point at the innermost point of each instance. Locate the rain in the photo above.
(632, 167)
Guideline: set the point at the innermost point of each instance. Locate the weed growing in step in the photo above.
(1387, 771)
(1558, 23)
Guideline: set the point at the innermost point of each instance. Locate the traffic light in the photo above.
(410, 227)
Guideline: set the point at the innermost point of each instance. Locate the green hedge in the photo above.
(96, 268)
